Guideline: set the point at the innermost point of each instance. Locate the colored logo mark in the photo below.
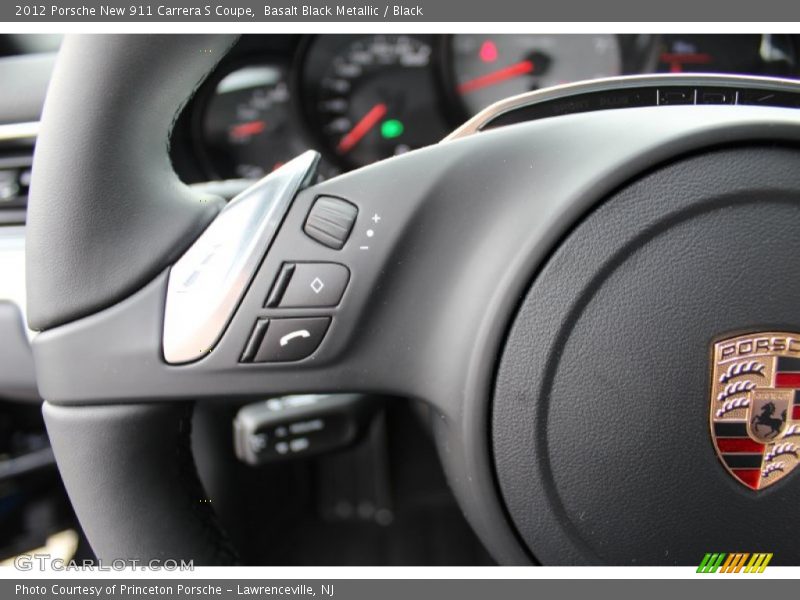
(736, 562)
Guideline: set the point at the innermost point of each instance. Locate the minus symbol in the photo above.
(364, 247)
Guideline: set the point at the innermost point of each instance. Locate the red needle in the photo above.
(367, 122)
(243, 130)
(677, 60)
(521, 68)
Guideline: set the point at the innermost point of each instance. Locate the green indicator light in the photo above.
(391, 128)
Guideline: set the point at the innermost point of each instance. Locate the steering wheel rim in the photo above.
(117, 410)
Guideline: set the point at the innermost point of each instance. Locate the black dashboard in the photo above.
(361, 98)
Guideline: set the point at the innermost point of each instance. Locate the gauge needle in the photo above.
(243, 130)
(521, 68)
(367, 122)
(676, 60)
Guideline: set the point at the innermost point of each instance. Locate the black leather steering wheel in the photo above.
(551, 288)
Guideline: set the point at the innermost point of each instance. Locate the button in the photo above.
(330, 221)
(291, 339)
(309, 285)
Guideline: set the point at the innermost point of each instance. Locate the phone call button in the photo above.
(291, 339)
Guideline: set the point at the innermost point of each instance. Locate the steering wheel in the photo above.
(552, 288)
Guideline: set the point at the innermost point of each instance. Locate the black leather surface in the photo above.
(106, 211)
(131, 477)
(106, 214)
(601, 409)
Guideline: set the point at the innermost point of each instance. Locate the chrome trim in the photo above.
(208, 281)
(490, 113)
(12, 268)
(19, 132)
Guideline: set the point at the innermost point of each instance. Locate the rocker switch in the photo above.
(330, 221)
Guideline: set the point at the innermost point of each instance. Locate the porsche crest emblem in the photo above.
(755, 406)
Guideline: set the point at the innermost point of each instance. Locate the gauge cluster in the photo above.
(371, 97)
(362, 98)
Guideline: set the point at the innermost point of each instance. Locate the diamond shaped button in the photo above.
(311, 285)
(317, 285)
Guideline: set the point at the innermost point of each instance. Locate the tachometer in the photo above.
(248, 127)
(371, 97)
(488, 68)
